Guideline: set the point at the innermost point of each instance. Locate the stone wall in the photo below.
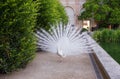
(110, 65)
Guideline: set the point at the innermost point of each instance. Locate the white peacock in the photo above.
(63, 40)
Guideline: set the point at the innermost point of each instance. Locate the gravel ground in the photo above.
(52, 66)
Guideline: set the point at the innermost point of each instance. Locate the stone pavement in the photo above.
(52, 66)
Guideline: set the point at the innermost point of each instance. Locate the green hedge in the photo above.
(17, 42)
(107, 35)
(84, 29)
(50, 12)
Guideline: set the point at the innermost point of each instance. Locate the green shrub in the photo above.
(50, 13)
(84, 29)
(97, 35)
(107, 35)
(17, 42)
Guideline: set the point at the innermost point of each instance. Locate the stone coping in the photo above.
(110, 65)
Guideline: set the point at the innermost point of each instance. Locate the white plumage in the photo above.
(63, 40)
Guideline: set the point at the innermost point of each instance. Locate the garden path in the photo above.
(52, 66)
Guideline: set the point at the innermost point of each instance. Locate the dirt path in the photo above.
(51, 66)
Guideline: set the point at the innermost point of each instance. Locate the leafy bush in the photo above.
(84, 29)
(107, 35)
(50, 13)
(17, 42)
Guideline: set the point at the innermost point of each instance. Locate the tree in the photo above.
(62, 13)
(114, 14)
(103, 11)
(50, 13)
(17, 41)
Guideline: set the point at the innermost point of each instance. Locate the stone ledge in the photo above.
(110, 65)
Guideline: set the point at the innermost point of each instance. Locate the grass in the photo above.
(113, 49)
(110, 41)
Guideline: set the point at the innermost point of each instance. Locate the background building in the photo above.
(73, 9)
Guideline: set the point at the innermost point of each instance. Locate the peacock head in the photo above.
(60, 53)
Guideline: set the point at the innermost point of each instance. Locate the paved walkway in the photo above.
(51, 66)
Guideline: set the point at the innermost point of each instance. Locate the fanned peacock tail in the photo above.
(63, 40)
